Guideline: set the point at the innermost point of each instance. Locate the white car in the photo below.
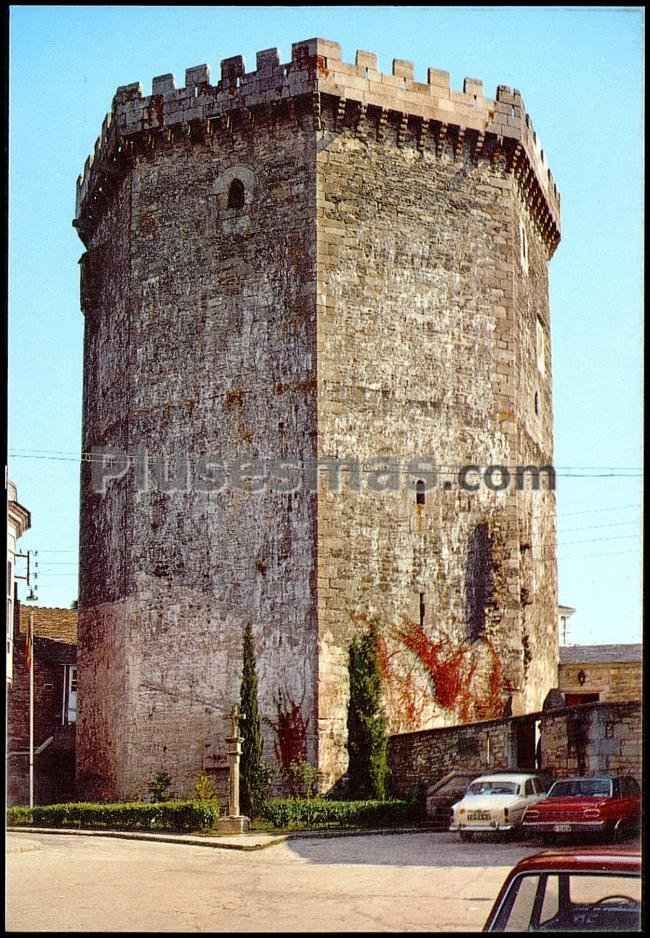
(496, 803)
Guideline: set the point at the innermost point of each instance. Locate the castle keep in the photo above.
(312, 261)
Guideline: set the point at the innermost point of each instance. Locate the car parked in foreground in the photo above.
(496, 802)
(603, 804)
(571, 890)
(444, 794)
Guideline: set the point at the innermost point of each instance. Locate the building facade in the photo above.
(601, 673)
(18, 522)
(309, 265)
(55, 706)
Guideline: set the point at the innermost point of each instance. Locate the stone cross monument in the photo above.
(234, 822)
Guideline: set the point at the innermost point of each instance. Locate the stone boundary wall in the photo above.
(587, 739)
(592, 738)
(424, 757)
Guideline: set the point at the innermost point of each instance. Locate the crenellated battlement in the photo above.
(316, 69)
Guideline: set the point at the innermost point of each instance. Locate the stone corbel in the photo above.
(316, 111)
(340, 113)
(478, 146)
(459, 144)
(419, 134)
(381, 124)
(401, 128)
(441, 138)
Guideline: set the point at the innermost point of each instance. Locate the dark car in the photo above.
(571, 890)
(604, 804)
(446, 792)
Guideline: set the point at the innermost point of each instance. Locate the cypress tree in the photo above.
(251, 768)
(367, 740)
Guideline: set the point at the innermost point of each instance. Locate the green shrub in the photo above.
(367, 740)
(167, 815)
(318, 812)
(302, 778)
(254, 780)
(159, 787)
(204, 789)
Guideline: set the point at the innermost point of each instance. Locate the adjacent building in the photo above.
(600, 673)
(18, 522)
(55, 706)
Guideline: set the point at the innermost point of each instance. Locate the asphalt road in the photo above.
(400, 882)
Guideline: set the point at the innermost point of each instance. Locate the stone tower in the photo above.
(313, 262)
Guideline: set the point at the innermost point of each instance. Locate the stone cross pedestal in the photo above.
(234, 822)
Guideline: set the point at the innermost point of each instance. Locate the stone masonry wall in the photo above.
(199, 341)
(364, 301)
(583, 740)
(612, 681)
(425, 351)
(592, 738)
(422, 758)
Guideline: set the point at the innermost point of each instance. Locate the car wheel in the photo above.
(466, 836)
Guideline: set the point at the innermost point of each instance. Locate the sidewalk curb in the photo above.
(191, 841)
(216, 841)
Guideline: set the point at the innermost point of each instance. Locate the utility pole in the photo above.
(30, 661)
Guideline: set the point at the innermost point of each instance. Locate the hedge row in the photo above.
(317, 812)
(167, 815)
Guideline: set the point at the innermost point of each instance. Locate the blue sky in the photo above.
(579, 70)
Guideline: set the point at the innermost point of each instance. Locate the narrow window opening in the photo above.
(236, 194)
(537, 403)
(540, 346)
(419, 493)
(523, 248)
(479, 580)
(421, 610)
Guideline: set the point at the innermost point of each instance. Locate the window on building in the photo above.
(69, 709)
(479, 579)
(523, 247)
(540, 345)
(419, 492)
(236, 194)
(537, 407)
(421, 610)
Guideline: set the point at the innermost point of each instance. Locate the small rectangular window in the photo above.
(540, 344)
(523, 248)
(69, 714)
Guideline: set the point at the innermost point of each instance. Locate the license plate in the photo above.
(478, 816)
(562, 828)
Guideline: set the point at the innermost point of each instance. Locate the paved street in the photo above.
(401, 882)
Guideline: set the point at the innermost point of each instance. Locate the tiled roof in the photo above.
(597, 654)
(58, 625)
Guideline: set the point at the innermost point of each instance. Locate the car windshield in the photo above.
(581, 788)
(496, 787)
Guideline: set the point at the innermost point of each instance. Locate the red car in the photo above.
(601, 805)
(571, 890)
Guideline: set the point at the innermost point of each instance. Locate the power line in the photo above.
(589, 527)
(595, 540)
(570, 471)
(589, 511)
